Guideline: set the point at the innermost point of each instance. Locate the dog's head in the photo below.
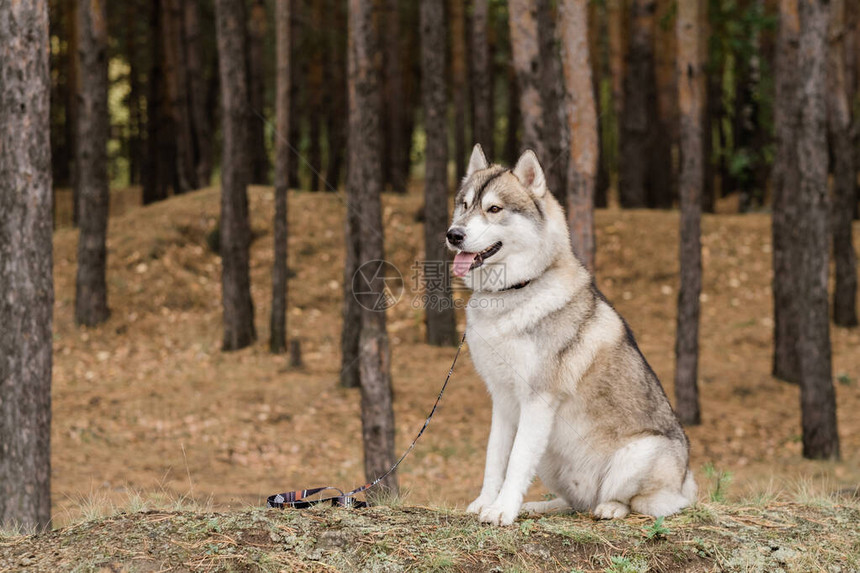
(501, 229)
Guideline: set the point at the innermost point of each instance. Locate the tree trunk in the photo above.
(482, 102)
(616, 44)
(350, 374)
(93, 191)
(257, 93)
(786, 363)
(599, 50)
(239, 330)
(556, 140)
(364, 186)
(840, 97)
(26, 307)
(298, 67)
(642, 161)
(201, 122)
(525, 49)
(438, 307)
(278, 322)
(661, 176)
(315, 95)
(512, 139)
(335, 82)
(457, 19)
(177, 99)
(690, 94)
(72, 102)
(582, 125)
(135, 112)
(392, 110)
(410, 72)
(158, 162)
(818, 402)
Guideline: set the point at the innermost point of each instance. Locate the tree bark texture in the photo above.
(93, 192)
(512, 137)
(197, 95)
(840, 99)
(817, 397)
(691, 91)
(239, 330)
(315, 95)
(482, 101)
(72, 102)
(395, 169)
(457, 18)
(336, 112)
(257, 92)
(364, 185)
(786, 179)
(298, 59)
(599, 51)
(176, 75)
(582, 125)
(555, 136)
(525, 48)
(135, 109)
(661, 189)
(438, 310)
(158, 162)
(26, 284)
(350, 374)
(641, 149)
(278, 320)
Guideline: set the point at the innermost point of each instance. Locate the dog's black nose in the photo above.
(455, 235)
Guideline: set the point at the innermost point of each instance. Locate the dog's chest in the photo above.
(507, 360)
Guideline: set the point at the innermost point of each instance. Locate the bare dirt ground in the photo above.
(147, 403)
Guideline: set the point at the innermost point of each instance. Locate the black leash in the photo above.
(298, 499)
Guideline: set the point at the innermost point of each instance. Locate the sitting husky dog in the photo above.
(574, 400)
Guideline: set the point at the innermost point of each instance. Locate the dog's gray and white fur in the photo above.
(574, 400)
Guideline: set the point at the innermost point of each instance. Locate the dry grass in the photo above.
(784, 536)
(148, 403)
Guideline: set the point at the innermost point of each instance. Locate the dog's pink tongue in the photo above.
(462, 262)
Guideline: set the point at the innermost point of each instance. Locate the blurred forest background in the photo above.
(650, 111)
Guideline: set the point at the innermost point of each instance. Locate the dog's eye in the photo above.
(494, 209)
(465, 206)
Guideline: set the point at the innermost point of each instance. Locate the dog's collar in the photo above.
(517, 286)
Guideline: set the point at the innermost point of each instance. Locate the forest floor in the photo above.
(146, 406)
(767, 537)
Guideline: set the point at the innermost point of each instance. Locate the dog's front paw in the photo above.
(611, 510)
(479, 504)
(497, 514)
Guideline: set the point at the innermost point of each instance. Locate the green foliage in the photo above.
(844, 379)
(526, 526)
(720, 481)
(656, 530)
(626, 565)
(744, 129)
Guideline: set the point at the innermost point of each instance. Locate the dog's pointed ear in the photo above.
(478, 160)
(530, 173)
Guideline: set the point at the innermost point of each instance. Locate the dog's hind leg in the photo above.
(647, 475)
(556, 505)
(666, 501)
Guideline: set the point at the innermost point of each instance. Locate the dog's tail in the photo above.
(689, 489)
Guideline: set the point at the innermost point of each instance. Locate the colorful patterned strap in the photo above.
(298, 499)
